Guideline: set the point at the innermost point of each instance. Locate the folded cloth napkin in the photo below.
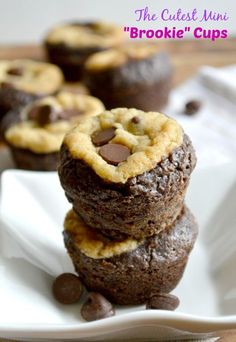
(213, 128)
(221, 81)
(32, 229)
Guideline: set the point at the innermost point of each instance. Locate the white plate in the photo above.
(32, 210)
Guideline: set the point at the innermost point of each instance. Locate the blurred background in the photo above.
(34, 18)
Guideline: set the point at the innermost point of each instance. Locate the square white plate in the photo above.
(32, 210)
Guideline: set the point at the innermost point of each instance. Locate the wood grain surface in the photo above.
(187, 56)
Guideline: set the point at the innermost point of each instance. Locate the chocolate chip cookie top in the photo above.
(84, 35)
(90, 242)
(138, 143)
(46, 121)
(30, 76)
(120, 55)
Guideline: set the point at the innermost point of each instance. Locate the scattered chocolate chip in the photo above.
(163, 301)
(96, 307)
(15, 71)
(135, 119)
(192, 107)
(67, 288)
(43, 115)
(69, 113)
(103, 137)
(114, 153)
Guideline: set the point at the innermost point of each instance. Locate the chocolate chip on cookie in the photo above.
(135, 120)
(114, 153)
(43, 115)
(15, 71)
(7, 85)
(103, 137)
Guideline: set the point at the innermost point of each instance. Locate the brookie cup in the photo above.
(126, 172)
(36, 140)
(69, 45)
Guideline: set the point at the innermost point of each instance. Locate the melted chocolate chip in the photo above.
(135, 119)
(69, 113)
(96, 307)
(15, 71)
(114, 153)
(43, 115)
(192, 107)
(103, 137)
(163, 301)
(7, 85)
(67, 288)
(33, 113)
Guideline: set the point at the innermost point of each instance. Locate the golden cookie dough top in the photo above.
(47, 138)
(31, 76)
(149, 136)
(120, 55)
(96, 34)
(90, 243)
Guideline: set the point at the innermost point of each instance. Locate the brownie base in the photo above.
(157, 265)
(143, 206)
(28, 160)
(143, 84)
(70, 60)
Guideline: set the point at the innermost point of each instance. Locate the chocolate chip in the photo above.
(43, 115)
(96, 307)
(15, 71)
(135, 119)
(163, 301)
(33, 113)
(69, 113)
(114, 153)
(6, 85)
(103, 137)
(192, 107)
(67, 288)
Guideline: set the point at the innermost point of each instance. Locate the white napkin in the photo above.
(32, 220)
(221, 81)
(213, 128)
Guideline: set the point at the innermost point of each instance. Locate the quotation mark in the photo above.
(126, 28)
(187, 29)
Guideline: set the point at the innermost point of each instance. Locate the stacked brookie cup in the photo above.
(129, 233)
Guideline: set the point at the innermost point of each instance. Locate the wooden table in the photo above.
(187, 56)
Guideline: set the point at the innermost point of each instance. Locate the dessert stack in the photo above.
(129, 233)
